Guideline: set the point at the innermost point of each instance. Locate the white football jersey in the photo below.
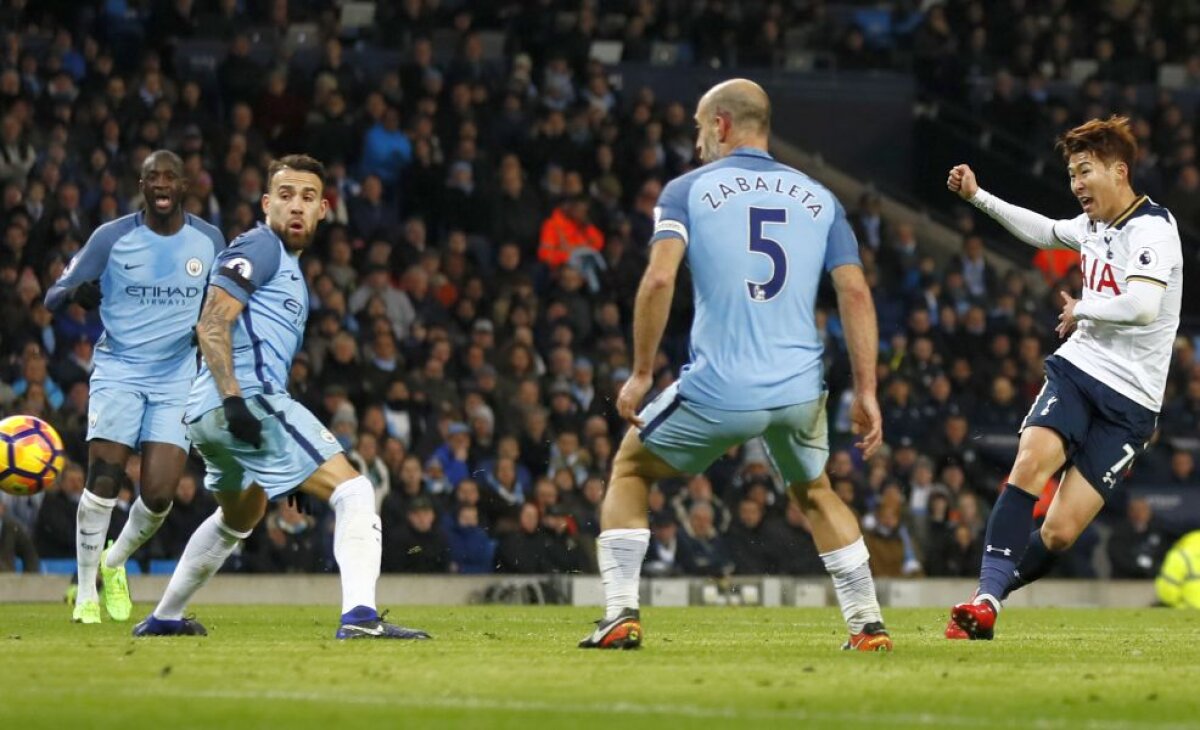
(1141, 244)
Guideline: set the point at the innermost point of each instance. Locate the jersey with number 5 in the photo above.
(759, 236)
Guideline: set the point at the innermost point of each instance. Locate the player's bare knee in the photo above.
(1057, 537)
(157, 502)
(105, 478)
(809, 494)
(158, 493)
(242, 511)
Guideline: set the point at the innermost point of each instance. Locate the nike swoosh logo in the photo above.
(133, 266)
(93, 532)
(376, 631)
(295, 278)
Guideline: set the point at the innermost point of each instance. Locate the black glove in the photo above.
(87, 295)
(241, 422)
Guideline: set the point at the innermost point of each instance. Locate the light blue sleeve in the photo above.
(247, 264)
(841, 248)
(89, 263)
(212, 232)
(671, 213)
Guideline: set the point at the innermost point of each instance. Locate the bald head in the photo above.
(162, 157)
(732, 114)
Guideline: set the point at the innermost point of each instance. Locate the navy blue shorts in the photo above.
(1104, 431)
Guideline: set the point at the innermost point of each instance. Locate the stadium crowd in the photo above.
(471, 291)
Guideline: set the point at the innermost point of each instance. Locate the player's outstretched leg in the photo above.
(1041, 453)
(624, 539)
(1074, 507)
(207, 549)
(839, 540)
(358, 549)
(162, 466)
(106, 474)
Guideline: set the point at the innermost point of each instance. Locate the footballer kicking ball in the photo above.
(31, 455)
(1178, 583)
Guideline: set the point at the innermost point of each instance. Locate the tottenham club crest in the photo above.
(194, 267)
(1145, 258)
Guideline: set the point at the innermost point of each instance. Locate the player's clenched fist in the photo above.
(962, 181)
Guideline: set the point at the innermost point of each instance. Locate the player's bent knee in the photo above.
(809, 494)
(1057, 537)
(105, 478)
(243, 510)
(157, 503)
(336, 470)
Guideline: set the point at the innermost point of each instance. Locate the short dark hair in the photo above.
(1110, 140)
(300, 163)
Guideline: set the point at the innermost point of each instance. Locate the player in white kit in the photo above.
(1104, 385)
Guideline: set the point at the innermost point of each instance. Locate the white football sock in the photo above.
(620, 554)
(140, 527)
(357, 541)
(91, 529)
(851, 572)
(206, 551)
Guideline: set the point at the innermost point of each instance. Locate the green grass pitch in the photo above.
(517, 667)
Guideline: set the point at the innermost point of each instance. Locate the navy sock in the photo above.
(1037, 561)
(1004, 543)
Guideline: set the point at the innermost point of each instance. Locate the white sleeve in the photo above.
(1138, 305)
(1032, 228)
(1154, 251)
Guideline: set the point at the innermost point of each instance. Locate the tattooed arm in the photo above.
(214, 332)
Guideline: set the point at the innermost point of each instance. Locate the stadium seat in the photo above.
(163, 567)
(58, 566)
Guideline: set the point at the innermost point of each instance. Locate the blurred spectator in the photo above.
(16, 543)
(568, 231)
(957, 555)
(525, 549)
(662, 556)
(699, 490)
(192, 506)
(471, 550)
(1137, 545)
(417, 545)
(754, 545)
(893, 551)
(54, 533)
(291, 543)
(798, 554)
(702, 550)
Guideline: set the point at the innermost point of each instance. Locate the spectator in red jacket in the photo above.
(567, 230)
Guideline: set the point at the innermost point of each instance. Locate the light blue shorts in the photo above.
(690, 436)
(131, 417)
(295, 445)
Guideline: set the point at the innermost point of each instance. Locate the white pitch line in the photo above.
(615, 708)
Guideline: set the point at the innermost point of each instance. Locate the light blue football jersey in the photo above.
(259, 272)
(759, 237)
(152, 289)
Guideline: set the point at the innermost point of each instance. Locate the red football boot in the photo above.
(954, 631)
(977, 619)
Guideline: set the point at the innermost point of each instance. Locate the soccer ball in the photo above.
(1178, 583)
(31, 455)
